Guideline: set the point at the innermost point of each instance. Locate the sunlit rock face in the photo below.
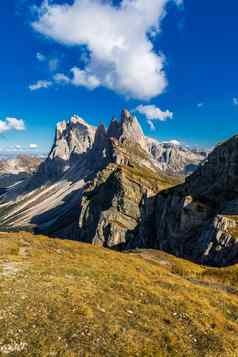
(175, 158)
(73, 138)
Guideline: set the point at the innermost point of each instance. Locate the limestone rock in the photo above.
(72, 140)
(198, 220)
(174, 158)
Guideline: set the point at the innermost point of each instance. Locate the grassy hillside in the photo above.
(62, 298)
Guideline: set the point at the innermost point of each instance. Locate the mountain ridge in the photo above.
(112, 192)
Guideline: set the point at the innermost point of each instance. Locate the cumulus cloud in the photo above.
(84, 78)
(40, 84)
(53, 63)
(121, 53)
(153, 113)
(61, 78)
(33, 146)
(40, 57)
(78, 78)
(235, 101)
(11, 124)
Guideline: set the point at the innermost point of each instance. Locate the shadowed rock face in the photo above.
(198, 220)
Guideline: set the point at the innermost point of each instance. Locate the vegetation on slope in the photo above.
(62, 298)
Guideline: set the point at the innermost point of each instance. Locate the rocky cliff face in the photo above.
(73, 139)
(117, 210)
(174, 158)
(198, 220)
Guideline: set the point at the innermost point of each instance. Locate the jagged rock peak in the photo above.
(127, 129)
(60, 128)
(73, 138)
(75, 120)
(114, 130)
(126, 115)
(100, 134)
(100, 137)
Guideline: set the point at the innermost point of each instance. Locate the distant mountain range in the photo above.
(16, 169)
(22, 163)
(114, 187)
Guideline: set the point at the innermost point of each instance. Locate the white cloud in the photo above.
(40, 84)
(200, 105)
(84, 78)
(33, 146)
(52, 63)
(15, 124)
(61, 78)
(40, 57)
(153, 113)
(3, 126)
(11, 124)
(79, 78)
(235, 100)
(121, 54)
(18, 147)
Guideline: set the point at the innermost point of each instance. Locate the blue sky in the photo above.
(194, 46)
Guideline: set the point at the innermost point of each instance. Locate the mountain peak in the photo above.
(131, 129)
(125, 115)
(75, 119)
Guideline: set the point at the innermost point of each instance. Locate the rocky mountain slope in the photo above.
(64, 298)
(82, 158)
(198, 220)
(103, 186)
(15, 170)
(22, 163)
(175, 158)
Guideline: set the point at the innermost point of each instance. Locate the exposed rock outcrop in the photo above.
(73, 139)
(198, 220)
(175, 158)
(117, 210)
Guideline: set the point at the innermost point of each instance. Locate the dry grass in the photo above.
(62, 298)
